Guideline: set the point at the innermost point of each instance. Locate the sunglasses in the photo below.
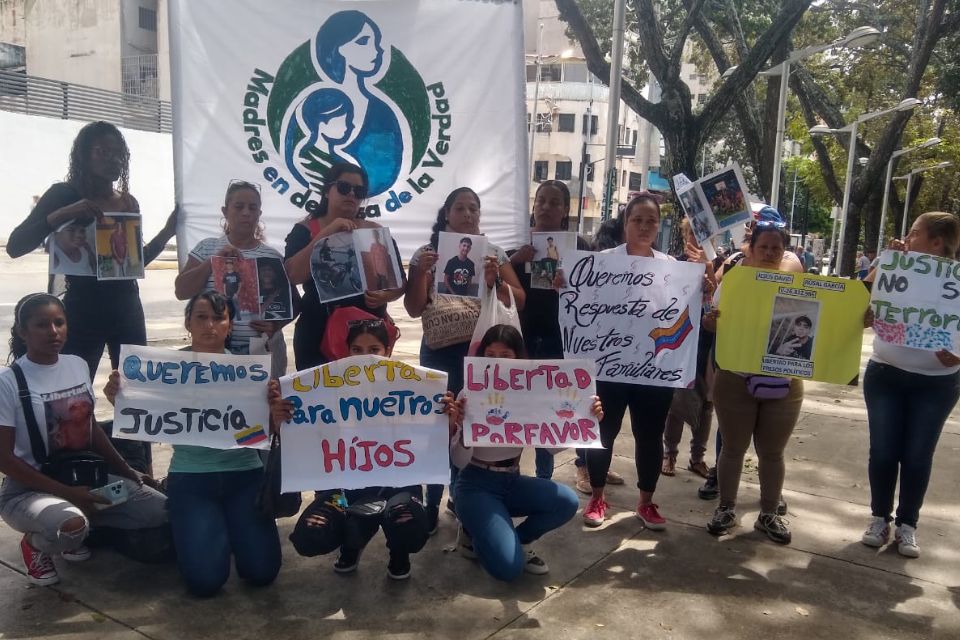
(369, 323)
(237, 183)
(769, 224)
(344, 188)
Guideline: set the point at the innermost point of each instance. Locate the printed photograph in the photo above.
(69, 418)
(701, 219)
(72, 251)
(379, 267)
(119, 244)
(274, 289)
(335, 268)
(236, 279)
(549, 250)
(460, 264)
(793, 327)
(726, 194)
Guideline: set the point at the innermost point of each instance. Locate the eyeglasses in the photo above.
(367, 323)
(770, 224)
(344, 188)
(237, 183)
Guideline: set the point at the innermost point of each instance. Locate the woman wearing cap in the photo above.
(909, 394)
(762, 409)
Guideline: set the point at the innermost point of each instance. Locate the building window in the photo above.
(550, 73)
(701, 99)
(566, 122)
(564, 170)
(540, 170)
(575, 72)
(544, 122)
(531, 73)
(594, 125)
(148, 19)
(692, 76)
(634, 143)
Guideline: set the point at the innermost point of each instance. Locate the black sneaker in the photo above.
(782, 507)
(433, 518)
(774, 526)
(724, 518)
(709, 490)
(399, 567)
(347, 561)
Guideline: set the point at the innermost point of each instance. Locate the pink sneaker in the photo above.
(595, 513)
(40, 569)
(650, 517)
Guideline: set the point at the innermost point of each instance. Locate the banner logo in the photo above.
(347, 95)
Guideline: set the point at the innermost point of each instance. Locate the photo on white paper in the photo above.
(549, 248)
(726, 195)
(72, 249)
(702, 223)
(793, 328)
(119, 244)
(379, 266)
(460, 264)
(274, 289)
(236, 278)
(335, 268)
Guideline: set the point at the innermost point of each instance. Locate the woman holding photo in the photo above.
(346, 187)
(449, 321)
(242, 239)
(909, 394)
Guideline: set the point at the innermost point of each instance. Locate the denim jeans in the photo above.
(213, 517)
(488, 500)
(905, 413)
(449, 360)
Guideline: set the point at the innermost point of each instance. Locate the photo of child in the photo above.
(119, 246)
(71, 250)
(460, 254)
(236, 278)
(549, 249)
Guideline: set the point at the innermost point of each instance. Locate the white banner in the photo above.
(426, 95)
(203, 399)
(637, 318)
(916, 301)
(365, 421)
(529, 403)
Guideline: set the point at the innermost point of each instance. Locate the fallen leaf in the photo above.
(803, 612)
(98, 617)
(666, 626)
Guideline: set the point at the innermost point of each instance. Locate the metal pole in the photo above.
(846, 194)
(536, 99)
(793, 200)
(906, 206)
(613, 107)
(833, 244)
(583, 177)
(781, 124)
(886, 201)
(646, 133)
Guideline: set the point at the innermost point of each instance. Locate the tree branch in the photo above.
(651, 41)
(692, 14)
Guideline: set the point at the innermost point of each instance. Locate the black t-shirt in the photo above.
(460, 273)
(231, 283)
(314, 314)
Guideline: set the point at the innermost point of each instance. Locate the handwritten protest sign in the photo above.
(791, 324)
(529, 403)
(365, 421)
(916, 301)
(636, 318)
(181, 397)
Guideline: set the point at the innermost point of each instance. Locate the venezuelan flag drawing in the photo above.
(673, 336)
(250, 436)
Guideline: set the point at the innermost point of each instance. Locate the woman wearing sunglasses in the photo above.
(345, 189)
(242, 238)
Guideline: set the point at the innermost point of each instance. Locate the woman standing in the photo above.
(345, 188)
(762, 409)
(99, 159)
(648, 404)
(242, 239)
(449, 321)
(909, 394)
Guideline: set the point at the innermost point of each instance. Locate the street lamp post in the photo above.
(907, 104)
(886, 183)
(906, 200)
(613, 106)
(536, 99)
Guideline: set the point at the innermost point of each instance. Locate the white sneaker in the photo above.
(533, 563)
(877, 533)
(465, 544)
(906, 538)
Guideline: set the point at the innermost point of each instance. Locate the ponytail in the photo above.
(22, 314)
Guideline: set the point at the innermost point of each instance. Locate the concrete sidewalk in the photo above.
(618, 581)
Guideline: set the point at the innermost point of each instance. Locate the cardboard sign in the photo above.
(180, 397)
(916, 301)
(637, 318)
(791, 324)
(529, 403)
(365, 421)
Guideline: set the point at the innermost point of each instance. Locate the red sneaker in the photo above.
(595, 513)
(650, 517)
(40, 569)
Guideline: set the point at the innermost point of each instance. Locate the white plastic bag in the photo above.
(492, 313)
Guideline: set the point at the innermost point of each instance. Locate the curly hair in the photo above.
(79, 172)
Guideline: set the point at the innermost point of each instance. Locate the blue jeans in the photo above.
(905, 413)
(213, 517)
(449, 360)
(486, 502)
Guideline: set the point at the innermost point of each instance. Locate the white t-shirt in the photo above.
(908, 359)
(63, 402)
(622, 249)
(208, 247)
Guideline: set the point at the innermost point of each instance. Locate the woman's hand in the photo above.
(83, 499)
(491, 271)
(269, 327)
(82, 211)
(112, 388)
(559, 280)
(868, 318)
(426, 262)
(454, 410)
(897, 244)
(694, 252)
(947, 358)
(374, 299)
(228, 251)
(522, 255)
(709, 320)
(337, 226)
(596, 408)
(281, 409)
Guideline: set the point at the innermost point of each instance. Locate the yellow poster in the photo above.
(791, 324)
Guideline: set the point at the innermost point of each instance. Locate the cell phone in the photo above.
(115, 492)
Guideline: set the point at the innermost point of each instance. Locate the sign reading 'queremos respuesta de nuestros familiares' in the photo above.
(214, 400)
(364, 421)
